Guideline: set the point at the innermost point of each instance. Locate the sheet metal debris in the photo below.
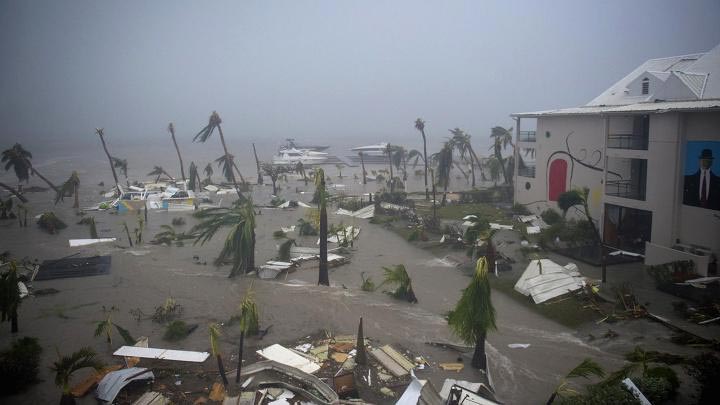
(362, 213)
(113, 382)
(162, 354)
(87, 242)
(73, 267)
(544, 279)
(287, 357)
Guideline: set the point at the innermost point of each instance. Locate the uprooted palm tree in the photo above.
(474, 314)
(105, 327)
(420, 126)
(10, 297)
(214, 330)
(171, 129)
(69, 189)
(398, 276)
(122, 165)
(66, 366)
(321, 193)
(205, 133)
(574, 198)
(19, 159)
(101, 133)
(585, 369)
(239, 246)
(159, 172)
(249, 324)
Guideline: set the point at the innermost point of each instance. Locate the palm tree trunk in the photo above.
(434, 193)
(251, 256)
(182, 168)
(240, 356)
(362, 162)
(472, 172)
(427, 194)
(13, 192)
(232, 174)
(257, 163)
(392, 179)
(479, 361)
(323, 277)
(112, 167)
(14, 321)
(477, 161)
(77, 198)
(37, 173)
(221, 369)
(552, 398)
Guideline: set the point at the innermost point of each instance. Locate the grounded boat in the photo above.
(292, 145)
(292, 156)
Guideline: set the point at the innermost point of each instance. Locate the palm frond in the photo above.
(474, 313)
(585, 369)
(125, 334)
(214, 331)
(249, 314)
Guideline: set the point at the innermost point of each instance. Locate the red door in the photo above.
(557, 179)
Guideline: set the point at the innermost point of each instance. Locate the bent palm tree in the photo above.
(398, 275)
(362, 163)
(195, 181)
(574, 198)
(204, 134)
(69, 189)
(13, 192)
(66, 366)
(584, 370)
(171, 129)
(19, 159)
(121, 164)
(389, 152)
(257, 164)
(101, 132)
(240, 243)
(420, 126)
(159, 172)
(444, 163)
(501, 139)
(474, 314)
(249, 324)
(214, 330)
(461, 141)
(321, 192)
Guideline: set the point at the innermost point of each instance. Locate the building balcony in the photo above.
(526, 171)
(625, 189)
(526, 136)
(627, 141)
(630, 132)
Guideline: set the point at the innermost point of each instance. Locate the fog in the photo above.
(321, 70)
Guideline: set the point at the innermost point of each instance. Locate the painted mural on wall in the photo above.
(701, 187)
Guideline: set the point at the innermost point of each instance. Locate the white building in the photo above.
(638, 148)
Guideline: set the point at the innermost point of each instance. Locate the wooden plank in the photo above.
(399, 358)
(388, 363)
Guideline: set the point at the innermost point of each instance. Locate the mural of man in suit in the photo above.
(702, 188)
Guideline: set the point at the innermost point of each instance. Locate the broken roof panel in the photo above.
(162, 354)
(544, 279)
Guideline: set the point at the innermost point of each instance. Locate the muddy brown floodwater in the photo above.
(144, 276)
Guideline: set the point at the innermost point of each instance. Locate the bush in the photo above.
(674, 272)
(602, 394)
(398, 197)
(352, 204)
(520, 209)
(50, 223)
(667, 374)
(550, 216)
(656, 390)
(19, 365)
(277, 201)
(177, 330)
(178, 221)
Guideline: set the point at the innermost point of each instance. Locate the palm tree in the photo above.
(321, 192)
(339, 166)
(240, 242)
(474, 314)
(257, 163)
(19, 159)
(444, 162)
(461, 141)
(65, 366)
(584, 370)
(195, 181)
(398, 275)
(389, 152)
(495, 167)
(70, 188)
(573, 198)
(399, 159)
(228, 166)
(101, 132)
(274, 172)
(249, 324)
(121, 164)
(10, 297)
(13, 192)
(159, 172)
(420, 126)
(362, 164)
(214, 330)
(209, 172)
(501, 139)
(204, 134)
(171, 129)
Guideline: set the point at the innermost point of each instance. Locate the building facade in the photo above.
(648, 151)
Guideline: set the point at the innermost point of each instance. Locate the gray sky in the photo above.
(321, 69)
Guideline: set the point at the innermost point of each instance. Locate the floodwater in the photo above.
(144, 276)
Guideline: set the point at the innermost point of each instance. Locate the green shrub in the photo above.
(19, 365)
(277, 201)
(177, 330)
(667, 374)
(602, 394)
(656, 390)
(550, 216)
(50, 223)
(674, 272)
(352, 204)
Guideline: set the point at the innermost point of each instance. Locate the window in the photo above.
(645, 86)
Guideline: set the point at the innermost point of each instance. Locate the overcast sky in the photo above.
(322, 69)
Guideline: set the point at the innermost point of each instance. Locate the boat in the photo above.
(379, 149)
(292, 156)
(292, 145)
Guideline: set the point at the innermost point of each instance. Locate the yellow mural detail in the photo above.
(595, 197)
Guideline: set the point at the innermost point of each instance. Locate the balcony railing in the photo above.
(627, 141)
(527, 136)
(526, 171)
(625, 189)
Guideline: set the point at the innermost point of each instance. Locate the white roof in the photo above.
(659, 107)
(544, 279)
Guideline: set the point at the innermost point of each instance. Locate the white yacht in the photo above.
(291, 156)
(379, 149)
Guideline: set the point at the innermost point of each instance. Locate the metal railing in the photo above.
(527, 171)
(627, 141)
(625, 189)
(527, 136)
